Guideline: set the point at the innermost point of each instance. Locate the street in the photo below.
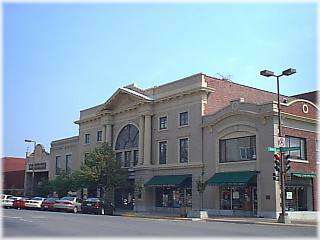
(28, 223)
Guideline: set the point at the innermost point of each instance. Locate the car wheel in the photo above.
(75, 210)
(102, 211)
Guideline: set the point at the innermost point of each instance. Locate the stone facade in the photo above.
(216, 110)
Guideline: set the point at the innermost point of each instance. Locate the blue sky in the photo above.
(61, 58)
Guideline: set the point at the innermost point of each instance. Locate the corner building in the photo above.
(166, 135)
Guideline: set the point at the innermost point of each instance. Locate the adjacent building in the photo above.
(170, 136)
(13, 172)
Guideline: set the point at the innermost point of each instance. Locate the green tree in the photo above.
(101, 170)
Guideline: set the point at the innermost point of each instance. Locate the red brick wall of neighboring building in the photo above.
(311, 137)
(227, 91)
(13, 170)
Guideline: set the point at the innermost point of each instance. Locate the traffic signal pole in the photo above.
(282, 217)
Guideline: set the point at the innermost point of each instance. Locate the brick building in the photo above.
(13, 171)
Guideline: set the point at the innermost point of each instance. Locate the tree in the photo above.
(101, 170)
(201, 186)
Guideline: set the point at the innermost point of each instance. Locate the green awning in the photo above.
(233, 178)
(170, 181)
(303, 175)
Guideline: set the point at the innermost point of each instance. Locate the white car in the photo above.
(8, 203)
(34, 202)
(4, 197)
(69, 204)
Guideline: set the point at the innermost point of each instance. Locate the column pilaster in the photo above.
(141, 140)
(147, 140)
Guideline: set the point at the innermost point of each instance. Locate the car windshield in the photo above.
(93, 200)
(13, 198)
(37, 198)
(68, 198)
(51, 199)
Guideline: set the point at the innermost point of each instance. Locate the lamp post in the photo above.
(266, 73)
(34, 150)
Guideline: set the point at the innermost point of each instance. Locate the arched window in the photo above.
(127, 145)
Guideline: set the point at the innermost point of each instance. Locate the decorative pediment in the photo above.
(124, 98)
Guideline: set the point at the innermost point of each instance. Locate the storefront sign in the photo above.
(235, 195)
(289, 195)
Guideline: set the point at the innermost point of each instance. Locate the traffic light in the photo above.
(276, 157)
(275, 176)
(287, 163)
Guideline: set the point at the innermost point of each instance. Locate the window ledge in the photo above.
(235, 162)
(162, 130)
(298, 160)
(182, 126)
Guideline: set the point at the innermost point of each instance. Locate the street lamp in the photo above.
(266, 73)
(34, 150)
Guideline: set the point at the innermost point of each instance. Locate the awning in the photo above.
(233, 178)
(170, 181)
(303, 175)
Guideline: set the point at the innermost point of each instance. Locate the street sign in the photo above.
(286, 149)
(282, 141)
(273, 149)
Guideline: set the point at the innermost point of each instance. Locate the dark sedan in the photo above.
(48, 204)
(97, 206)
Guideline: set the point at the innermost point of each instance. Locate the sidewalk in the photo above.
(229, 219)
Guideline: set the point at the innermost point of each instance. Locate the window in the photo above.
(237, 149)
(162, 123)
(87, 138)
(163, 152)
(297, 142)
(183, 119)
(68, 163)
(317, 146)
(99, 136)
(135, 157)
(119, 157)
(183, 150)
(127, 145)
(127, 158)
(58, 165)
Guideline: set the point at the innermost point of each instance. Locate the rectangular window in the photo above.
(68, 163)
(297, 142)
(163, 152)
(127, 158)
(162, 123)
(237, 149)
(58, 165)
(87, 138)
(135, 157)
(119, 157)
(99, 136)
(183, 119)
(183, 150)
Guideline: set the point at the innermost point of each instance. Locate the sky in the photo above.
(61, 58)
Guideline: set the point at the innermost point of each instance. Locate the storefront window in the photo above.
(173, 197)
(237, 198)
(299, 194)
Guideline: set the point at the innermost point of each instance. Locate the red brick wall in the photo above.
(13, 179)
(311, 166)
(227, 91)
(296, 109)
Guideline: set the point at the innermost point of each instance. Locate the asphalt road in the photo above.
(28, 223)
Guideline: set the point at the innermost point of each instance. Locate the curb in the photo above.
(220, 220)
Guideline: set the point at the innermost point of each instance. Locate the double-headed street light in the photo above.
(266, 73)
(34, 150)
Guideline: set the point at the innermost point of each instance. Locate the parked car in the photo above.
(34, 202)
(97, 206)
(8, 203)
(68, 204)
(48, 204)
(20, 203)
(4, 197)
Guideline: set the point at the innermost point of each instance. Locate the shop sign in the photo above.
(289, 195)
(235, 195)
